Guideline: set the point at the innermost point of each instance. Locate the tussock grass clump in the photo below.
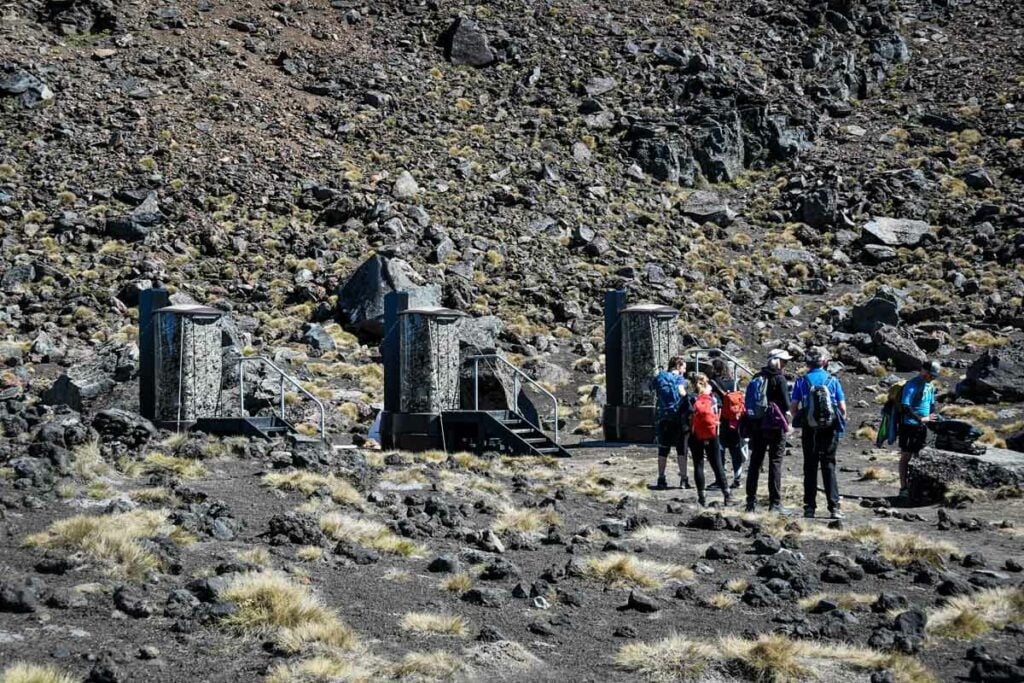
(23, 672)
(877, 474)
(259, 556)
(869, 434)
(457, 583)
(89, 463)
(897, 547)
(737, 585)
(271, 603)
(185, 468)
(721, 601)
(473, 463)
(154, 494)
(958, 492)
(620, 569)
(457, 482)
(309, 553)
(412, 477)
(599, 484)
(847, 601)
(322, 669)
(432, 666)
(525, 520)
(112, 539)
(307, 483)
(367, 533)
(439, 624)
(969, 616)
(773, 658)
(662, 536)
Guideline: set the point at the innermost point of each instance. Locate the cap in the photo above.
(816, 354)
(932, 367)
(779, 354)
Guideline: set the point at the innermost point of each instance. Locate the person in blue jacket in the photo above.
(820, 441)
(673, 425)
(917, 408)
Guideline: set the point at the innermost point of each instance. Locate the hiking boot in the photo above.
(808, 513)
(662, 484)
(701, 502)
(736, 482)
(713, 486)
(751, 507)
(684, 483)
(728, 500)
(904, 494)
(780, 510)
(837, 514)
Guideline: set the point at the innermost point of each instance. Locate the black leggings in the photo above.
(699, 449)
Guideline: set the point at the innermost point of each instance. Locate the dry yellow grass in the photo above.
(428, 666)
(325, 669)
(259, 556)
(89, 463)
(661, 536)
(869, 434)
(186, 468)
(457, 583)
(438, 624)
(112, 539)
(367, 533)
(768, 658)
(880, 474)
(846, 601)
(958, 492)
(620, 569)
(307, 483)
(270, 603)
(969, 616)
(737, 585)
(23, 672)
(525, 520)
(599, 484)
(721, 601)
(897, 547)
(309, 553)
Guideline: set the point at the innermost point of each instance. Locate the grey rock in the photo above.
(996, 376)
(895, 232)
(881, 309)
(30, 90)
(361, 298)
(703, 207)
(405, 186)
(123, 426)
(465, 43)
(641, 602)
(890, 344)
(316, 337)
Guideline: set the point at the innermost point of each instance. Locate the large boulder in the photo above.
(707, 207)
(361, 298)
(891, 345)
(881, 309)
(31, 91)
(123, 426)
(92, 378)
(997, 376)
(895, 232)
(465, 42)
(932, 470)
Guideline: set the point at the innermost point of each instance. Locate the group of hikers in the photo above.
(717, 417)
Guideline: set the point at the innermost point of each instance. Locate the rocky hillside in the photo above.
(847, 173)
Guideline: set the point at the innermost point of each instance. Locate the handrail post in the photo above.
(241, 387)
(281, 392)
(556, 421)
(476, 383)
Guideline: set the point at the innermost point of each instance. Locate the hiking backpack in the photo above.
(755, 402)
(705, 417)
(666, 390)
(735, 408)
(821, 411)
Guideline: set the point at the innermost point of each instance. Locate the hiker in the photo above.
(727, 388)
(705, 421)
(766, 424)
(672, 419)
(819, 409)
(917, 409)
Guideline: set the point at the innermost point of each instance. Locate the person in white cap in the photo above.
(767, 405)
(819, 409)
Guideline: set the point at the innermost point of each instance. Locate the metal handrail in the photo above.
(517, 373)
(284, 376)
(695, 354)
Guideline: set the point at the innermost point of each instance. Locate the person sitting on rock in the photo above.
(704, 425)
(765, 423)
(672, 426)
(918, 409)
(819, 409)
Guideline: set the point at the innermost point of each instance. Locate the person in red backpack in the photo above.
(704, 425)
(727, 388)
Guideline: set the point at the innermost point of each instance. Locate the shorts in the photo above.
(912, 438)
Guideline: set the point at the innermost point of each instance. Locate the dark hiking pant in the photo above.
(819, 446)
(771, 444)
(710, 449)
(672, 435)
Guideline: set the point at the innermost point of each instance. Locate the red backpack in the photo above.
(735, 407)
(705, 417)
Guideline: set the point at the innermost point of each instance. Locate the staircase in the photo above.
(499, 430)
(258, 427)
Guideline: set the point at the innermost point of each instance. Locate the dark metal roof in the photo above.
(190, 310)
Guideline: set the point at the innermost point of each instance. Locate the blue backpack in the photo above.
(666, 390)
(756, 399)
